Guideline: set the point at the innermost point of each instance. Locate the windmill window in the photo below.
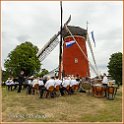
(76, 60)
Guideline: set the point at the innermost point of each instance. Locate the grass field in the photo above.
(79, 107)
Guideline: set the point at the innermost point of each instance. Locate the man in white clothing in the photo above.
(105, 80)
(34, 82)
(9, 83)
(57, 82)
(66, 82)
(41, 87)
(50, 82)
(105, 83)
(41, 82)
(72, 83)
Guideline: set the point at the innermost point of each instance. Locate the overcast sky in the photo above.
(38, 21)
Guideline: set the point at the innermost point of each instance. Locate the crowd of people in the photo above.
(10, 83)
(47, 82)
(44, 84)
(65, 85)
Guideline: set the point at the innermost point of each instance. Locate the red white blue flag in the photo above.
(69, 43)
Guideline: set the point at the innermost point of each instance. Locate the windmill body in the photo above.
(74, 63)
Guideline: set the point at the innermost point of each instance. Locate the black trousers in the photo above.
(9, 87)
(20, 87)
(15, 86)
(105, 86)
(42, 89)
(71, 91)
(28, 89)
(62, 90)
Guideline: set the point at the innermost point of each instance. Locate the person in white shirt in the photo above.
(33, 83)
(41, 82)
(9, 83)
(69, 77)
(41, 87)
(57, 82)
(29, 85)
(105, 83)
(66, 82)
(57, 86)
(72, 83)
(50, 82)
(105, 80)
(30, 81)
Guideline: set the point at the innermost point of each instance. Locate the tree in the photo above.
(23, 57)
(115, 67)
(44, 72)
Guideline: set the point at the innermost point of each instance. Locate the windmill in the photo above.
(73, 60)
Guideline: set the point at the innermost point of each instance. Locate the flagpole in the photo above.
(87, 26)
(87, 34)
(60, 47)
(91, 49)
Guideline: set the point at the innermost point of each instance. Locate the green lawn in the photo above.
(79, 107)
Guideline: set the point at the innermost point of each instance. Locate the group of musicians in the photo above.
(45, 83)
(10, 83)
(14, 82)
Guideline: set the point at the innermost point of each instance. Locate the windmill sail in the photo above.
(50, 45)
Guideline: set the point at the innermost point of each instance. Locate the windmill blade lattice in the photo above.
(49, 46)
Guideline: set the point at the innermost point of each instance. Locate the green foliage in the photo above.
(23, 57)
(5, 75)
(44, 72)
(115, 67)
